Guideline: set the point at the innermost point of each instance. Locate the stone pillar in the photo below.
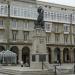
(20, 55)
(39, 48)
(52, 56)
(71, 55)
(61, 53)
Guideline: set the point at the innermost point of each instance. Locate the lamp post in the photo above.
(55, 69)
(42, 63)
(7, 25)
(55, 73)
(55, 66)
(74, 67)
(74, 64)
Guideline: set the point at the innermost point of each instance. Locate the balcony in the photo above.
(20, 41)
(2, 27)
(66, 32)
(3, 40)
(57, 31)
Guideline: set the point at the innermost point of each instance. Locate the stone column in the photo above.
(61, 53)
(20, 55)
(52, 56)
(71, 55)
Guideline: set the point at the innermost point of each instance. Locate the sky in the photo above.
(63, 2)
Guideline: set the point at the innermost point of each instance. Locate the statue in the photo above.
(40, 22)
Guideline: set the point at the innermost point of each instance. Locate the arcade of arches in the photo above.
(25, 53)
(54, 56)
(61, 56)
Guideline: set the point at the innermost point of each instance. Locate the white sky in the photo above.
(64, 2)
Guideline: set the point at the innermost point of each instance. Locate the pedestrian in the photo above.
(21, 63)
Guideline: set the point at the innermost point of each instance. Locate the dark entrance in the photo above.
(49, 54)
(74, 55)
(15, 50)
(26, 56)
(57, 55)
(2, 48)
(65, 55)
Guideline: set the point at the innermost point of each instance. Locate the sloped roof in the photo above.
(7, 53)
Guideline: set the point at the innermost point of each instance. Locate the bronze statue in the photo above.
(40, 22)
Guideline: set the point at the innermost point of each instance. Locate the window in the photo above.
(14, 23)
(66, 28)
(56, 27)
(15, 11)
(48, 27)
(57, 38)
(14, 35)
(41, 40)
(26, 25)
(2, 10)
(74, 29)
(66, 17)
(58, 16)
(52, 15)
(26, 35)
(65, 39)
(74, 39)
(33, 58)
(27, 12)
(48, 37)
(2, 35)
(1, 22)
(6, 10)
(73, 17)
(42, 57)
(46, 14)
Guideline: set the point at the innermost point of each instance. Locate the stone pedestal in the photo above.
(39, 52)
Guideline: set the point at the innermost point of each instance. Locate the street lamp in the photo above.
(7, 25)
(42, 63)
(55, 69)
(55, 66)
(74, 67)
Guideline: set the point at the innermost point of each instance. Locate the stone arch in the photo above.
(66, 55)
(15, 50)
(49, 54)
(26, 55)
(2, 48)
(57, 55)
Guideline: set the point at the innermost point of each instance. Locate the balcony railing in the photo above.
(20, 41)
(2, 27)
(3, 40)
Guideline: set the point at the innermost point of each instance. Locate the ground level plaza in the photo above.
(63, 69)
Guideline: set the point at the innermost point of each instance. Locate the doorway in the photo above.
(26, 56)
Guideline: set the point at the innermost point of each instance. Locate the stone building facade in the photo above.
(16, 29)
